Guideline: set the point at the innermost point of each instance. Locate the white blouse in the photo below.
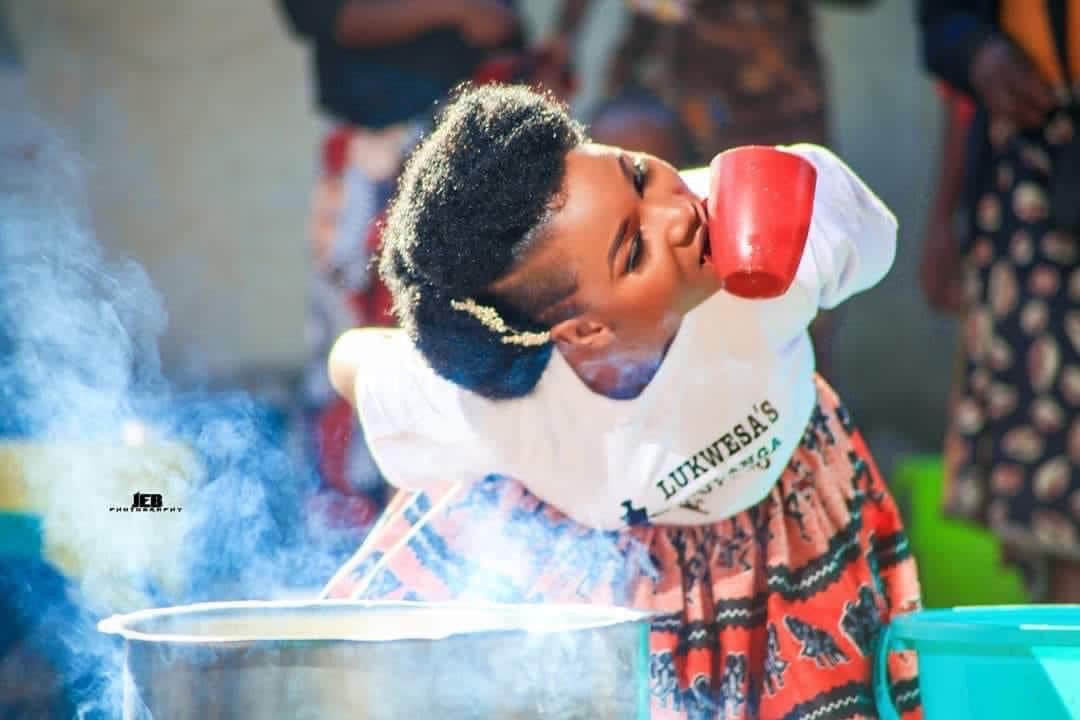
(709, 435)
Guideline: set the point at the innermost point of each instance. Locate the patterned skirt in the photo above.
(772, 613)
(1013, 448)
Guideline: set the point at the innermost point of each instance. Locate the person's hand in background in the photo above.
(485, 23)
(940, 268)
(1009, 85)
(941, 264)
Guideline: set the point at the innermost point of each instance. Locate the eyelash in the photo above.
(641, 175)
(641, 179)
(634, 254)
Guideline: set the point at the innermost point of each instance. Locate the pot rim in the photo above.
(993, 625)
(559, 617)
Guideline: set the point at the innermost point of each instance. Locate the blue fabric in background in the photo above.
(52, 641)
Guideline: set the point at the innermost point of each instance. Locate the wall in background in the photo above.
(894, 358)
(195, 123)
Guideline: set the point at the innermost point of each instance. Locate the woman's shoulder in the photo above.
(358, 353)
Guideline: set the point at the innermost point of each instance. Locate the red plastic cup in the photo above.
(760, 203)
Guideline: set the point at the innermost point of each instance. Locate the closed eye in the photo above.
(636, 171)
(633, 255)
(641, 175)
(637, 242)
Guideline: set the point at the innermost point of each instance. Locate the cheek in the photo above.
(665, 285)
(656, 296)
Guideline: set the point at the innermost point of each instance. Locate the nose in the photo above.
(676, 220)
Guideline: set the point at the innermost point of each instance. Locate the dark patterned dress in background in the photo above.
(1013, 452)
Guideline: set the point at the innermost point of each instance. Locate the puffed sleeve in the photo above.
(850, 247)
(852, 240)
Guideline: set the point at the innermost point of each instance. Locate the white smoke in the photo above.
(87, 420)
(81, 386)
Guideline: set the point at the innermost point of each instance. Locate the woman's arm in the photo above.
(852, 241)
(347, 356)
(940, 267)
(344, 364)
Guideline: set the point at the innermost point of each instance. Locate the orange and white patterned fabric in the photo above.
(773, 612)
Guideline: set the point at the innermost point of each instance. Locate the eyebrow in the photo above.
(620, 233)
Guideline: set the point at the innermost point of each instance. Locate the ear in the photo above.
(582, 333)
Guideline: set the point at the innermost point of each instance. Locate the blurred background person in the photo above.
(947, 228)
(947, 232)
(379, 67)
(733, 72)
(692, 78)
(1013, 444)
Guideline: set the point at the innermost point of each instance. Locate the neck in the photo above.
(619, 374)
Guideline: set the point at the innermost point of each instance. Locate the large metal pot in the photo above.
(375, 661)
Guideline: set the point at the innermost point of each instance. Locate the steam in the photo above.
(94, 421)
(88, 419)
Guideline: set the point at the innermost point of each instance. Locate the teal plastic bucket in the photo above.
(989, 663)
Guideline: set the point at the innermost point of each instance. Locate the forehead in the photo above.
(593, 195)
(590, 205)
(594, 200)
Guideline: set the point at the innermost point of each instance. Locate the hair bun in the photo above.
(468, 205)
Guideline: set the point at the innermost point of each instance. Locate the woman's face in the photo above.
(635, 236)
